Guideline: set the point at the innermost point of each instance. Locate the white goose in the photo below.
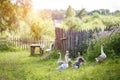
(102, 57)
(65, 65)
(68, 59)
(50, 48)
(60, 61)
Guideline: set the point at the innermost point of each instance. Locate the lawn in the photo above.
(22, 66)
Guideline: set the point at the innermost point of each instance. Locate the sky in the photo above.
(89, 5)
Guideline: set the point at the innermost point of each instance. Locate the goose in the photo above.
(65, 65)
(42, 49)
(102, 57)
(60, 60)
(79, 61)
(50, 48)
(69, 60)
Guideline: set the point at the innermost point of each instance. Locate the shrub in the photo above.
(50, 55)
(93, 51)
(8, 47)
(111, 48)
(54, 54)
(113, 45)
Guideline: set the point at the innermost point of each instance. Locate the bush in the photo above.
(54, 54)
(7, 47)
(93, 51)
(50, 55)
(113, 45)
(111, 48)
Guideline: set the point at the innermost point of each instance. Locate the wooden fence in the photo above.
(2, 39)
(25, 43)
(70, 40)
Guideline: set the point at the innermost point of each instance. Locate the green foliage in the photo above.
(24, 6)
(96, 16)
(117, 13)
(100, 11)
(110, 21)
(84, 47)
(111, 48)
(92, 22)
(12, 13)
(93, 51)
(42, 29)
(87, 23)
(19, 18)
(35, 30)
(7, 47)
(72, 22)
(48, 29)
(7, 16)
(70, 12)
(81, 13)
(112, 45)
(51, 55)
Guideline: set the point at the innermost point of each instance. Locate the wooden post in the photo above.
(32, 48)
(41, 51)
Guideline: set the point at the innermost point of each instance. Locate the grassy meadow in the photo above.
(20, 22)
(21, 66)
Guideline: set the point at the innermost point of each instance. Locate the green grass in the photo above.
(22, 66)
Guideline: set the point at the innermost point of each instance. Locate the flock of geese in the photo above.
(62, 65)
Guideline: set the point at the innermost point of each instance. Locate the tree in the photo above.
(36, 30)
(110, 21)
(104, 11)
(70, 12)
(25, 5)
(81, 13)
(72, 22)
(45, 14)
(94, 11)
(117, 13)
(8, 17)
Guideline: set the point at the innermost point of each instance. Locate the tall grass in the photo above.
(22, 66)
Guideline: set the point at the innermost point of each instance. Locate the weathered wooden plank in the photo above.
(74, 40)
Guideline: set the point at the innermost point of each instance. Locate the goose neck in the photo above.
(102, 49)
